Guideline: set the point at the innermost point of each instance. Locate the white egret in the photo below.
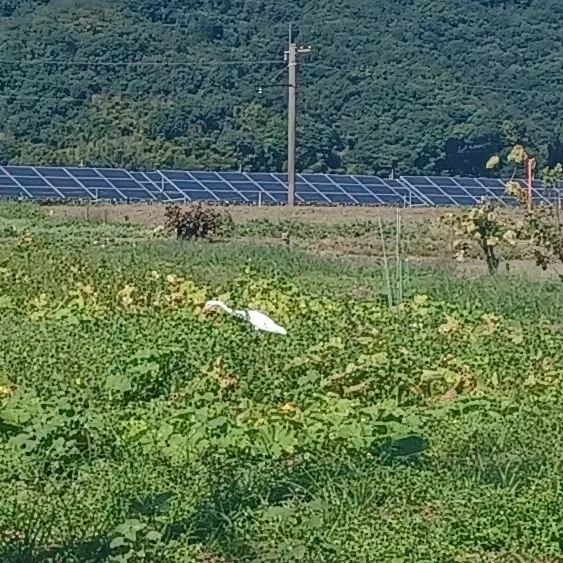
(258, 320)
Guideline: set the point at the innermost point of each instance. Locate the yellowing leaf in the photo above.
(518, 155)
(358, 389)
(451, 327)
(420, 300)
(493, 162)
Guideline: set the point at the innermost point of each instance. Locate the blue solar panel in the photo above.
(125, 184)
(258, 197)
(539, 193)
(262, 177)
(232, 176)
(370, 180)
(429, 191)
(153, 176)
(33, 181)
(467, 182)
(368, 199)
(492, 183)
(67, 182)
(393, 183)
(12, 192)
(273, 187)
(259, 187)
(341, 198)
(172, 191)
(139, 176)
(310, 188)
(455, 192)
(83, 172)
(343, 180)
(217, 186)
(388, 199)
(156, 191)
(112, 173)
(109, 193)
(382, 190)
(443, 182)
(278, 197)
(316, 178)
(177, 176)
(52, 172)
(328, 188)
(211, 176)
(20, 171)
(414, 200)
(75, 193)
(358, 189)
(95, 183)
(246, 187)
(419, 181)
(478, 192)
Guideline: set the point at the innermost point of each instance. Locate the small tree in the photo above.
(545, 236)
(542, 224)
(518, 157)
(483, 225)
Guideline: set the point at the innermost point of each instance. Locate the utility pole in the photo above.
(291, 56)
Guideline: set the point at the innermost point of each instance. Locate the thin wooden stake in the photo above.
(386, 266)
(398, 259)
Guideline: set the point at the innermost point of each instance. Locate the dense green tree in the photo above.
(429, 87)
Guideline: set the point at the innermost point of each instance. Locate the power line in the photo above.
(433, 86)
(39, 98)
(103, 97)
(211, 64)
(445, 83)
(87, 62)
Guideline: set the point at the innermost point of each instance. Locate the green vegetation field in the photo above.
(134, 427)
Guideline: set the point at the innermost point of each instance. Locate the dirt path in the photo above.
(153, 214)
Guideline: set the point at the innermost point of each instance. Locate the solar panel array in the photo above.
(71, 183)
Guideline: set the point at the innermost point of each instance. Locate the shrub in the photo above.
(196, 221)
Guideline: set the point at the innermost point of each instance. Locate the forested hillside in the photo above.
(430, 86)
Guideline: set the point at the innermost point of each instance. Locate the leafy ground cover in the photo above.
(134, 427)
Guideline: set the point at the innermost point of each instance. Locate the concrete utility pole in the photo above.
(291, 57)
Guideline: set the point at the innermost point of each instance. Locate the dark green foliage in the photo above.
(430, 87)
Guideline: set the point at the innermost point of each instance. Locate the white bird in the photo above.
(258, 320)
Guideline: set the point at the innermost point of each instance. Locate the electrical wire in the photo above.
(434, 86)
(87, 62)
(87, 100)
(211, 64)
(445, 83)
